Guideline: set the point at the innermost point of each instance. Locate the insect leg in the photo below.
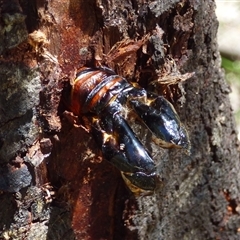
(122, 148)
(161, 118)
(148, 182)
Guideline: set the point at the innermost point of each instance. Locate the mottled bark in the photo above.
(54, 182)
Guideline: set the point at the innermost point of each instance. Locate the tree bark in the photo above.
(54, 182)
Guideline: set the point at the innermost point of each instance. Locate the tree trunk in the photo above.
(54, 182)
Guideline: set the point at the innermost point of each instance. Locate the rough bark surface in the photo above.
(54, 183)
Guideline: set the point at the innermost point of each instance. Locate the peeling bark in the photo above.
(54, 182)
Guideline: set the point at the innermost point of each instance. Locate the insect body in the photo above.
(100, 95)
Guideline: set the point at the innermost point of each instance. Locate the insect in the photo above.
(101, 96)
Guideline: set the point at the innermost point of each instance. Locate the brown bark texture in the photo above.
(54, 182)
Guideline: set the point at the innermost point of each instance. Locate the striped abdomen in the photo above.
(93, 89)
